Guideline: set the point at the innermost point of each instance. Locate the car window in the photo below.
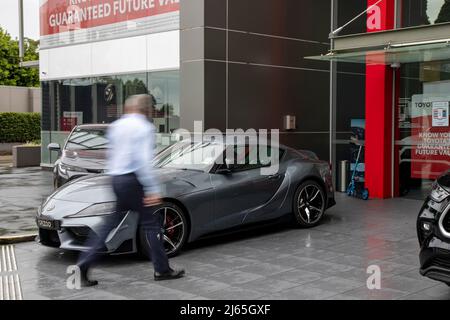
(87, 139)
(190, 156)
(248, 157)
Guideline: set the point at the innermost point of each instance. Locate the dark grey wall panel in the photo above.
(259, 97)
(351, 100)
(301, 19)
(216, 13)
(215, 44)
(215, 95)
(317, 142)
(274, 51)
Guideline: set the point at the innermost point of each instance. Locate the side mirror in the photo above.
(54, 147)
(226, 168)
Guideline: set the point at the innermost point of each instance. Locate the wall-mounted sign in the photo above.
(70, 120)
(440, 114)
(430, 137)
(65, 22)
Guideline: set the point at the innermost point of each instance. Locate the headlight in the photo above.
(438, 193)
(63, 168)
(99, 209)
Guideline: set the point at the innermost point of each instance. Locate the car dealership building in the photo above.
(383, 78)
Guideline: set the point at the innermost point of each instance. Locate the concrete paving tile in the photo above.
(292, 261)
(195, 285)
(298, 276)
(363, 293)
(265, 269)
(438, 292)
(406, 284)
(235, 293)
(269, 285)
(335, 284)
(327, 268)
(235, 277)
(318, 254)
(303, 292)
(352, 260)
(392, 267)
(150, 290)
(408, 259)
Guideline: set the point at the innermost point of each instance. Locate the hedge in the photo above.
(19, 127)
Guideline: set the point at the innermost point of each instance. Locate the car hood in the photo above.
(86, 159)
(97, 188)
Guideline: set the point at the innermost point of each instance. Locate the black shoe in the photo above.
(169, 275)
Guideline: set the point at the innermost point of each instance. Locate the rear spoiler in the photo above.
(308, 154)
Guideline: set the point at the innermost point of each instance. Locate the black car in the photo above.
(84, 153)
(433, 228)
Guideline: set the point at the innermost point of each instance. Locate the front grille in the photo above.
(49, 238)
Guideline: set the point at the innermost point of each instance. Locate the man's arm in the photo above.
(145, 173)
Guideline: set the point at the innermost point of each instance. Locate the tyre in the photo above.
(309, 204)
(175, 230)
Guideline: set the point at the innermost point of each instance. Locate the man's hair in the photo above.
(139, 102)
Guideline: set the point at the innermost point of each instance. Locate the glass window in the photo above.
(100, 100)
(197, 156)
(424, 12)
(87, 139)
(423, 132)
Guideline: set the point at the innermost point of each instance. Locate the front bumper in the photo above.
(435, 261)
(435, 245)
(79, 234)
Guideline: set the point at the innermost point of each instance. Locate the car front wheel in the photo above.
(309, 204)
(175, 230)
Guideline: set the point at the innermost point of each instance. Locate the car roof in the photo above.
(93, 126)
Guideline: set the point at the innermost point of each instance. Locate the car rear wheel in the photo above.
(309, 204)
(175, 230)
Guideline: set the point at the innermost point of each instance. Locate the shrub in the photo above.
(19, 127)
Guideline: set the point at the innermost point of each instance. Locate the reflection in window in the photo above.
(425, 12)
(100, 100)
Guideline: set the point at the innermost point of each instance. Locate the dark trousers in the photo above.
(129, 194)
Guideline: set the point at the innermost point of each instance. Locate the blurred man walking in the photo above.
(132, 141)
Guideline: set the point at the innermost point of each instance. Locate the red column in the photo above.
(379, 92)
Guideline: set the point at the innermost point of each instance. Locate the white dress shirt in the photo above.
(132, 144)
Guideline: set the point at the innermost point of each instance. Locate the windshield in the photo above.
(190, 156)
(87, 139)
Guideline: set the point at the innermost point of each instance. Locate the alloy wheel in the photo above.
(310, 204)
(173, 226)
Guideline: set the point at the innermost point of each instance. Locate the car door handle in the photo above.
(274, 177)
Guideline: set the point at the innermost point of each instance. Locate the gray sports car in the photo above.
(201, 197)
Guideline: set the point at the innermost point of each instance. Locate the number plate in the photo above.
(48, 224)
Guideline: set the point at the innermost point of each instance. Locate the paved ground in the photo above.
(21, 192)
(276, 262)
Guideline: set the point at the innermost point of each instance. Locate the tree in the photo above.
(11, 74)
(444, 15)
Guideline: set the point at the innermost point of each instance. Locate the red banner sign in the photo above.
(59, 16)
